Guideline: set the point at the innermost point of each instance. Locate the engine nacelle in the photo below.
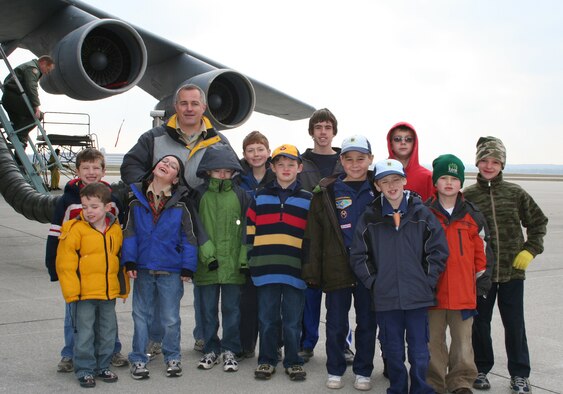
(230, 98)
(100, 59)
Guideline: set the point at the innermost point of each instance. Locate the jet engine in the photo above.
(100, 59)
(230, 98)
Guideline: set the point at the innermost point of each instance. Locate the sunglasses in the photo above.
(408, 140)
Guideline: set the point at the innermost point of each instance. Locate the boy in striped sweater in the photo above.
(276, 222)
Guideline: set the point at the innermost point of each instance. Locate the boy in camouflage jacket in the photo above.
(507, 208)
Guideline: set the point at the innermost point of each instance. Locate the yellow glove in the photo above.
(522, 260)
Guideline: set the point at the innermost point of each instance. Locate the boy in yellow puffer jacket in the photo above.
(91, 279)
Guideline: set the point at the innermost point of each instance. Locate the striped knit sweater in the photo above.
(276, 222)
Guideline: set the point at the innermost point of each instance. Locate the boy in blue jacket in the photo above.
(159, 253)
(398, 252)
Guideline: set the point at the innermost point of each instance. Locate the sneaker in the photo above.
(230, 363)
(462, 390)
(87, 381)
(208, 361)
(481, 383)
(306, 354)
(173, 368)
(198, 345)
(520, 385)
(280, 354)
(362, 383)
(119, 360)
(65, 365)
(296, 372)
(153, 349)
(334, 382)
(349, 356)
(107, 376)
(264, 371)
(139, 370)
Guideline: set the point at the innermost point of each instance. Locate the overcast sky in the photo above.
(456, 70)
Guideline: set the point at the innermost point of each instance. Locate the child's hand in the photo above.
(132, 274)
(522, 260)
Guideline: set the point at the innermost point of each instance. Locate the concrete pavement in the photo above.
(32, 311)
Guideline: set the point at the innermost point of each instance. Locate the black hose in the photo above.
(18, 192)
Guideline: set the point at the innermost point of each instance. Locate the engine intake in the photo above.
(100, 59)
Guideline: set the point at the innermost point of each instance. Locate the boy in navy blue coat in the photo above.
(398, 252)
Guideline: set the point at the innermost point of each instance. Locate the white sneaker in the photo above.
(208, 361)
(362, 383)
(334, 382)
(230, 363)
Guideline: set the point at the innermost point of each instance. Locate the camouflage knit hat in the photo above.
(447, 165)
(490, 147)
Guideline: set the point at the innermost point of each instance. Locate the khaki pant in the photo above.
(456, 369)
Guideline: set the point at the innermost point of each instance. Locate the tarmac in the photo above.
(32, 312)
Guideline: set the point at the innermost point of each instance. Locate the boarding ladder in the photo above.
(31, 172)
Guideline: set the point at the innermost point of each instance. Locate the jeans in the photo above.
(311, 318)
(338, 304)
(511, 307)
(167, 290)
(271, 299)
(230, 317)
(198, 329)
(248, 316)
(96, 326)
(69, 328)
(393, 325)
(155, 330)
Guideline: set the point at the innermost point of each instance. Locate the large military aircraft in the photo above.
(98, 55)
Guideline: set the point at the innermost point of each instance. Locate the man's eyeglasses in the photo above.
(408, 140)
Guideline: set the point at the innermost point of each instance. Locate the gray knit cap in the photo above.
(490, 147)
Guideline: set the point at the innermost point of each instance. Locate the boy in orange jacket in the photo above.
(466, 277)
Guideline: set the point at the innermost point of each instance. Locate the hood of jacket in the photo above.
(413, 160)
(218, 157)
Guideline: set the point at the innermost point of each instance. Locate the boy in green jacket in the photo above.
(222, 262)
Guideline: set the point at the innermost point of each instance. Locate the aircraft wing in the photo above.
(99, 55)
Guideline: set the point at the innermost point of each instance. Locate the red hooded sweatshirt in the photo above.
(419, 179)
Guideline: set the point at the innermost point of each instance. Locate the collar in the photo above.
(166, 192)
(387, 209)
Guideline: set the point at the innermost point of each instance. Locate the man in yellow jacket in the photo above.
(91, 279)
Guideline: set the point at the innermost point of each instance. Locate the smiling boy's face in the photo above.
(356, 165)
(91, 171)
(256, 155)
(167, 170)
(392, 187)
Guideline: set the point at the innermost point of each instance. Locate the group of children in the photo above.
(404, 243)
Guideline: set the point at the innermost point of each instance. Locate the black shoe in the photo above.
(87, 381)
(306, 354)
(296, 372)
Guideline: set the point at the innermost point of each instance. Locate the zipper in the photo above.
(497, 263)
(281, 212)
(460, 242)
